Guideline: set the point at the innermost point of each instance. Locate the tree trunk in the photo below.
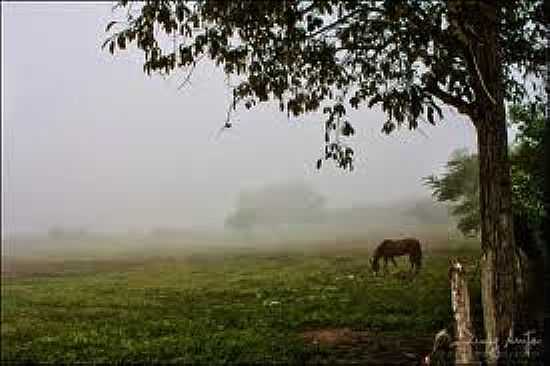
(498, 261)
(499, 264)
(546, 222)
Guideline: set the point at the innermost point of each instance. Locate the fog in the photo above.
(92, 146)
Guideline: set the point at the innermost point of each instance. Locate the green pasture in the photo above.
(224, 307)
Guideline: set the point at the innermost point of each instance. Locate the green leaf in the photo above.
(347, 129)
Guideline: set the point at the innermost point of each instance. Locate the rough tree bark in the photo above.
(546, 223)
(498, 262)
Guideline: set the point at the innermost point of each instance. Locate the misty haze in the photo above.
(144, 192)
(91, 142)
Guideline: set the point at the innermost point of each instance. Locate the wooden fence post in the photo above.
(460, 301)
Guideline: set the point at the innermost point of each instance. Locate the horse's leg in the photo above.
(418, 263)
(394, 262)
(385, 264)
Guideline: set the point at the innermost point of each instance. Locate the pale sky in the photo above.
(88, 140)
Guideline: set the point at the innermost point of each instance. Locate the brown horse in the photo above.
(389, 249)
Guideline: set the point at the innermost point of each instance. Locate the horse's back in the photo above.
(415, 245)
(399, 246)
(413, 242)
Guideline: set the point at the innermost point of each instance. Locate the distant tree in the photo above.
(56, 232)
(459, 184)
(411, 57)
(242, 219)
(276, 205)
(425, 212)
(59, 232)
(527, 162)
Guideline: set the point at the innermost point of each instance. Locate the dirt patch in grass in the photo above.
(348, 346)
(333, 336)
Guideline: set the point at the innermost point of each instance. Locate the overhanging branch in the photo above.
(461, 105)
(338, 22)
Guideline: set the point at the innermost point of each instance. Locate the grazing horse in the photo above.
(389, 249)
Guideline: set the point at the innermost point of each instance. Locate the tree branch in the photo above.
(307, 9)
(480, 77)
(187, 79)
(333, 24)
(457, 102)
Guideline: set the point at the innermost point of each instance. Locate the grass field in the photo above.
(223, 307)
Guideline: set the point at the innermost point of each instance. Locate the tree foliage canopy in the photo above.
(409, 57)
(459, 184)
(527, 161)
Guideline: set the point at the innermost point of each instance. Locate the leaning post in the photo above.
(460, 301)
